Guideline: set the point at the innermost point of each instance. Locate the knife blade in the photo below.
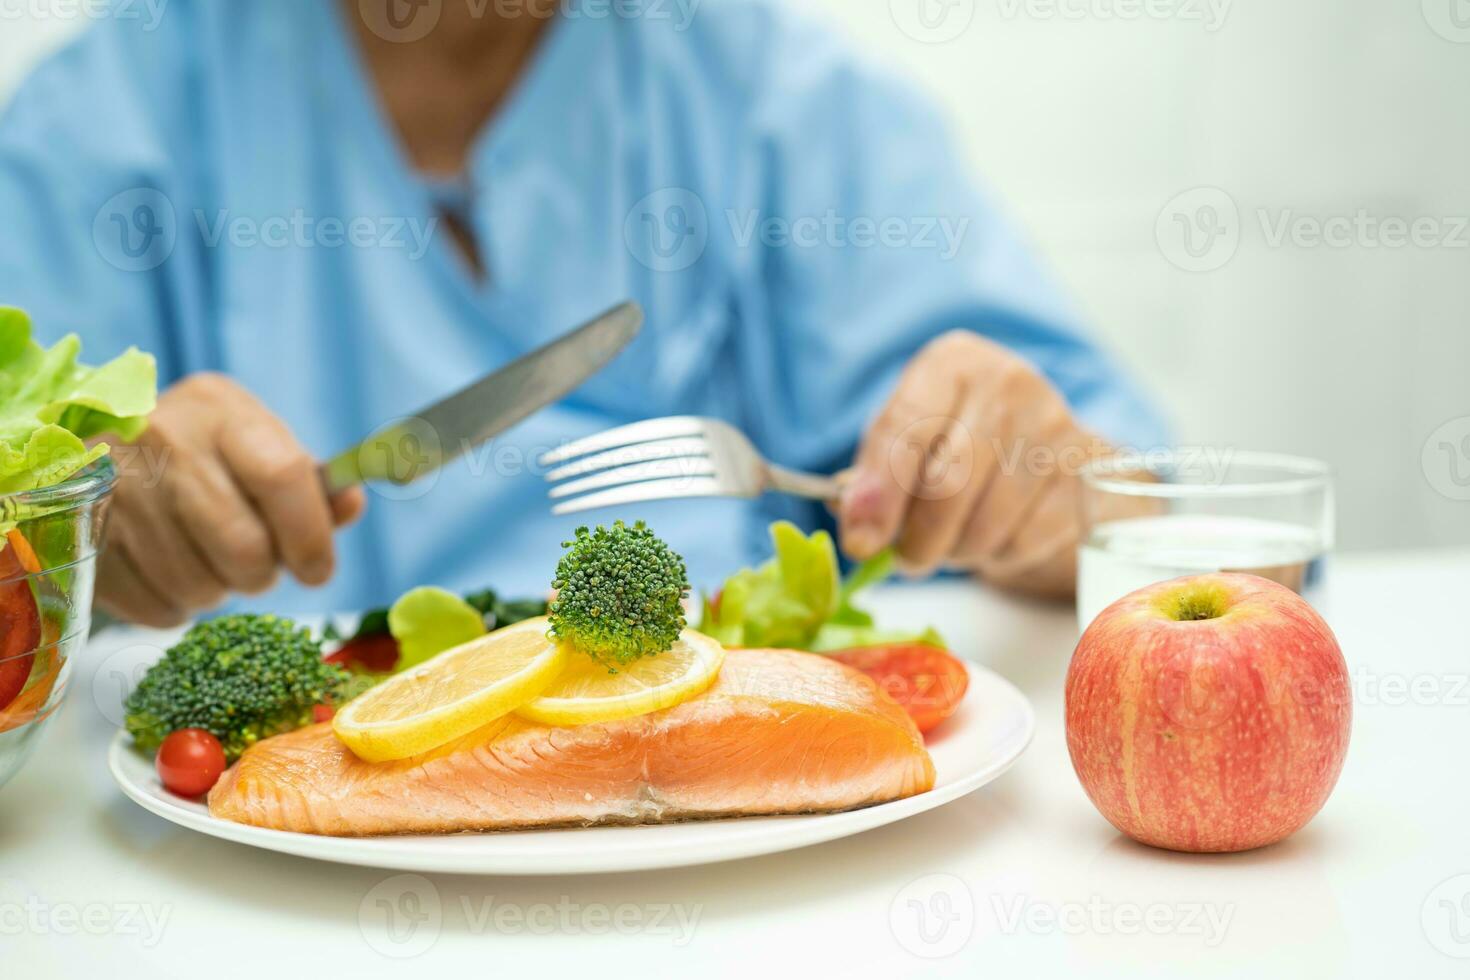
(411, 447)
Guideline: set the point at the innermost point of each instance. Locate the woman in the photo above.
(322, 217)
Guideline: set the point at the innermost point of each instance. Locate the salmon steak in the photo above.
(779, 732)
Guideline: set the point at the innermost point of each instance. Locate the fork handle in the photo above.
(807, 485)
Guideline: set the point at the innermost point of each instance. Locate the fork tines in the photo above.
(650, 460)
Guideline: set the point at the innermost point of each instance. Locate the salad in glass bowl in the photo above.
(55, 481)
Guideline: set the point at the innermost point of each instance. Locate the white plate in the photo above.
(989, 732)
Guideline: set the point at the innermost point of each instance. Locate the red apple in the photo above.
(1208, 713)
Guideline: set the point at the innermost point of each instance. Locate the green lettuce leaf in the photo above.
(798, 601)
(428, 620)
(50, 404)
(785, 601)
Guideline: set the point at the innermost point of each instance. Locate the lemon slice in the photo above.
(452, 694)
(586, 692)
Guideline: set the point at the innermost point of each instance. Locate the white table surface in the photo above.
(1023, 879)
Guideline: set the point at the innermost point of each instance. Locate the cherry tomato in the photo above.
(323, 712)
(190, 761)
(20, 617)
(926, 681)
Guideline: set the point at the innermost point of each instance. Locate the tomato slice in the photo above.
(927, 681)
(27, 707)
(376, 653)
(20, 618)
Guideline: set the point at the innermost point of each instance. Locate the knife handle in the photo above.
(398, 454)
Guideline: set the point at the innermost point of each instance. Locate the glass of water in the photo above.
(1160, 516)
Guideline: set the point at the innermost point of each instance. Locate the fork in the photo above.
(667, 458)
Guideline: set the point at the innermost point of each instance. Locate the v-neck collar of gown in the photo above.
(538, 95)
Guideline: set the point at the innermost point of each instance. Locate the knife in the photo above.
(409, 448)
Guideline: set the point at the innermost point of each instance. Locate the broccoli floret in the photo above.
(240, 678)
(620, 594)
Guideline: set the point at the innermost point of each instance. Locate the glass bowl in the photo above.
(48, 565)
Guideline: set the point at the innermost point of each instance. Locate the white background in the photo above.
(1088, 123)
